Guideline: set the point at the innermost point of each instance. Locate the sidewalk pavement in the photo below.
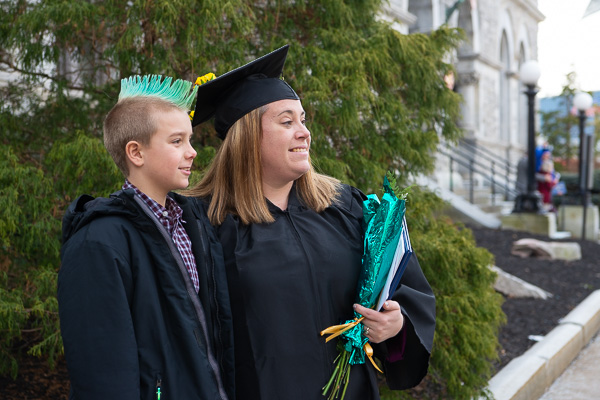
(580, 380)
(530, 375)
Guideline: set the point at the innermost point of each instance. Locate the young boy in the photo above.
(144, 309)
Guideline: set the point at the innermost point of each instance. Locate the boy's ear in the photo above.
(133, 151)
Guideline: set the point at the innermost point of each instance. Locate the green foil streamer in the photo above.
(354, 344)
(382, 226)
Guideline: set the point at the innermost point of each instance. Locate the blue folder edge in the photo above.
(403, 262)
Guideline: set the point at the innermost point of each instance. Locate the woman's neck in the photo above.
(278, 194)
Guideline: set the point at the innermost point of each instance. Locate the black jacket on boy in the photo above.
(132, 324)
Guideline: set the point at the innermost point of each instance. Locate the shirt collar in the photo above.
(171, 211)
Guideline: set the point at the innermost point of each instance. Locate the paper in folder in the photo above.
(403, 253)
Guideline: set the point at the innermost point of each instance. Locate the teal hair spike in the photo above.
(181, 92)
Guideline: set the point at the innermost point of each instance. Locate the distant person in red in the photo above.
(546, 177)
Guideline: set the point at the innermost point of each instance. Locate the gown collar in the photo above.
(294, 203)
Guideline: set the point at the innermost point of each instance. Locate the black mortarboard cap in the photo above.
(235, 93)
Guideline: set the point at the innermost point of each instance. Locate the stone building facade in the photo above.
(500, 35)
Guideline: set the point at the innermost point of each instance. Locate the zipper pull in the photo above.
(158, 382)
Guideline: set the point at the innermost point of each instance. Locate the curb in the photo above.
(528, 376)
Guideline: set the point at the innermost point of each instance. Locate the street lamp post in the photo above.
(530, 201)
(583, 101)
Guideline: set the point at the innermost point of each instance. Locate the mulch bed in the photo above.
(569, 282)
(36, 381)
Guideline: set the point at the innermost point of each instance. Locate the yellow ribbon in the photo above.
(336, 330)
(369, 352)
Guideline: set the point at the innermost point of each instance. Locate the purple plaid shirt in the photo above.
(170, 218)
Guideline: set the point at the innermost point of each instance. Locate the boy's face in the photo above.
(168, 159)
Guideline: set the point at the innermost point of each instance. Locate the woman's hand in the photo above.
(381, 325)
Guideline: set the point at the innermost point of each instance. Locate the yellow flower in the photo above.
(205, 78)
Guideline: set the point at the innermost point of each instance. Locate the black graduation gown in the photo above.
(289, 280)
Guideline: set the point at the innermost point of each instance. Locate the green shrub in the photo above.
(33, 198)
(468, 308)
(29, 233)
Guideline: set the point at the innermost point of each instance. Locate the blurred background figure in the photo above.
(547, 178)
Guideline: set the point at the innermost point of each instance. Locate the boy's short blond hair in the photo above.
(133, 118)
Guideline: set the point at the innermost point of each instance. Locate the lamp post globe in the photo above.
(582, 101)
(530, 73)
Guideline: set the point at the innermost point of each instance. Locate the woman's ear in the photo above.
(133, 151)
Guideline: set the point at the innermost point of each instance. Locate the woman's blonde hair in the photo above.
(233, 181)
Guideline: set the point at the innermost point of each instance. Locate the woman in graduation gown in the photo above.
(292, 242)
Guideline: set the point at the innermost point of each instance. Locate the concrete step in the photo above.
(458, 208)
(500, 208)
(481, 196)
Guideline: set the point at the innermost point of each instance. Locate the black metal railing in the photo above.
(503, 163)
(498, 172)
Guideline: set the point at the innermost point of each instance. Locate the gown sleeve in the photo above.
(406, 356)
